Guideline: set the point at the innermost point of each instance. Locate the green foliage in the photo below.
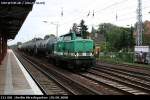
(83, 29)
(105, 47)
(117, 38)
(75, 28)
(115, 57)
(93, 31)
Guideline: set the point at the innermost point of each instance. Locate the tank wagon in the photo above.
(45, 47)
(30, 46)
(69, 50)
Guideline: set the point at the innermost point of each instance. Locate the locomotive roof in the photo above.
(68, 34)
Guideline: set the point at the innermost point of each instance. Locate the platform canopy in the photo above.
(12, 15)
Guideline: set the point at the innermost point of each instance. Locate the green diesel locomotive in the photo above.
(73, 52)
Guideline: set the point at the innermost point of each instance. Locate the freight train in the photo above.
(69, 50)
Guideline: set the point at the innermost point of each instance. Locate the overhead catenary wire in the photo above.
(118, 15)
(101, 10)
(96, 11)
(114, 4)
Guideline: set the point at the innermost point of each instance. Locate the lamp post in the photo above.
(56, 27)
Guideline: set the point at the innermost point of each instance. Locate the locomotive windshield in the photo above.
(78, 36)
(67, 38)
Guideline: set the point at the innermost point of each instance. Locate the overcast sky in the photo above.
(73, 12)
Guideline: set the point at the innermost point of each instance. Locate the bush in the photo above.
(118, 57)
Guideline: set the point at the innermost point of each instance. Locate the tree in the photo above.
(117, 38)
(75, 28)
(93, 31)
(83, 29)
(132, 40)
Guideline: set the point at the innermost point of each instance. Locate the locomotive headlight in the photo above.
(76, 54)
(92, 54)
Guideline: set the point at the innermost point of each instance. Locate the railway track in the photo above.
(97, 81)
(80, 84)
(119, 83)
(123, 77)
(134, 68)
(144, 75)
(48, 85)
(77, 87)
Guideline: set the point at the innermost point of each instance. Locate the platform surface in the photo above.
(14, 79)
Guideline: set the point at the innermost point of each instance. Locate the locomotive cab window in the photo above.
(78, 36)
(67, 38)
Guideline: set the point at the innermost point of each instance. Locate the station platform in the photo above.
(14, 79)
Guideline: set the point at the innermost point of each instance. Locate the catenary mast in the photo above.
(139, 36)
